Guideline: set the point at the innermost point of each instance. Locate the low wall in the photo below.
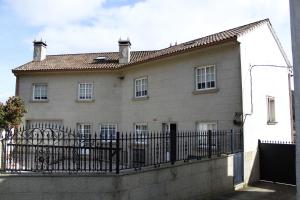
(194, 180)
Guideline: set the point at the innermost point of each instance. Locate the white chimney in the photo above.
(124, 51)
(39, 50)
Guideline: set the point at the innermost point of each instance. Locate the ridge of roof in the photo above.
(85, 61)
(104, 52)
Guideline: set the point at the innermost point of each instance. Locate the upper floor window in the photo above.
(85, 91)
(141, 87)
(141, 131)
(108, 131)
(271, 109)
(40, 91)
(206, 77)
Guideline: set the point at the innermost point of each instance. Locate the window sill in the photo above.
(140, 98)
(39, 101)
(85, 101)
(206, 91)
(272, 123)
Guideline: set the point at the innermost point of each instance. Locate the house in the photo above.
(231, 79)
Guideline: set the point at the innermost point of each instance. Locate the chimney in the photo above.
(124, 51)
(39, 50)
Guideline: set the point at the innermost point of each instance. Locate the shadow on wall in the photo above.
(184, 180)
(252, 161)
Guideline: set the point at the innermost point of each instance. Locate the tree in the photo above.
(12, 112)
(2, 123)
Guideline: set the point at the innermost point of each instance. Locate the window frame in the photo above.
(201, 144)
(83, 136)
(140, 136)
(205, 82)
(85, 91)
(146, 87)
(271, 111)
(34, 85)
(108, 138)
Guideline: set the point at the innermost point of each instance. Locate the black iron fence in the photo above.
(56, 149)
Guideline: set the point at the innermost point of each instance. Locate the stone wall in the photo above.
(194, 180)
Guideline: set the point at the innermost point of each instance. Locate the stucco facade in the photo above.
(242, 85)
(171, 99)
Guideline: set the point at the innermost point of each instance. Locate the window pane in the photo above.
(85, 91)
(205, 77)
(40, 91)
(141, 87)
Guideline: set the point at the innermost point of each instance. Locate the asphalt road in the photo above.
(263, 191)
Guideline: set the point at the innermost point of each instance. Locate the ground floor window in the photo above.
(84, 131)
(141, 131)
(202, 128)
(108, 131)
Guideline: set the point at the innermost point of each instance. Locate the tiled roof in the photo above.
(86, 61)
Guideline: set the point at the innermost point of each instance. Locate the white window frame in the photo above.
(85, 92)
(204, 144)
(205, 77)
(140, 135)
(145, 85)
(83, 136)
(114, 136)
(271, 110)
(40, 92)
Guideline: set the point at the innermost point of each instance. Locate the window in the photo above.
(203, 128)
(40, 92)
(85, 91)
(271, 110)
(209, 126)
(141, 130)
(141, 87)
(108, 131)
(84, 131)
(206, 77)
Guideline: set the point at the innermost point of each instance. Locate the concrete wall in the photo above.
(295, 30)
(197, 180)
(259, 47)
(171, 83)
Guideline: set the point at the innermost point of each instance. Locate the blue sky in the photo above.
(96, 25)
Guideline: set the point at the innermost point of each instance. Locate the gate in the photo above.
(277, 162)
(238, 168)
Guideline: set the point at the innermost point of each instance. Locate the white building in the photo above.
(236, 77)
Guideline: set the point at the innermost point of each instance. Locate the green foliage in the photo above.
(12, 112)
(2, 121)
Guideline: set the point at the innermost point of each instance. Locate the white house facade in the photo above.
(234, 79)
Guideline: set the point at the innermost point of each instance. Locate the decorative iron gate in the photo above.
(277, 162)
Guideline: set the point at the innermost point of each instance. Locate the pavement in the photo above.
(264, 191)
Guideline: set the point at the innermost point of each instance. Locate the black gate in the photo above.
(277, 162)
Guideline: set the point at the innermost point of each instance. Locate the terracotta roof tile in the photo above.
(86, 61)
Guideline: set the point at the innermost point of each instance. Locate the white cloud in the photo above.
(150, 24)
(55, 12)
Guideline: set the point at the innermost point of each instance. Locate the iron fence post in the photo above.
(173, 146)
(231, 141)
(110, 153)
(209, 138)
(118, 153)
(2, 153)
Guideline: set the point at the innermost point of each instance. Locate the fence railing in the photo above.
(55, 149)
